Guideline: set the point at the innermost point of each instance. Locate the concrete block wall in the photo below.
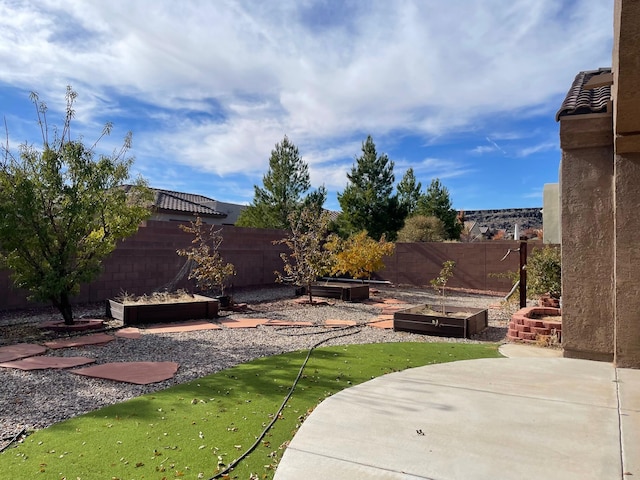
(148, 261)
(476, 264)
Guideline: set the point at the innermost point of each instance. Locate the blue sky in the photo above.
(462, 90)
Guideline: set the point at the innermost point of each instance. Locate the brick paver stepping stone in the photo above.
(372, 301)
(95, 339)
(391, 301)
(128, 332)
(390, 310)
(41, 362)
(77, 326)
(244, 322)
(190, 326)
(335, 322)
(140, 373)
(20, 350)
(383, 321)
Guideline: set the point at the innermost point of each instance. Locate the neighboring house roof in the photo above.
(168, 200)
(469, 225)
(589, 93)
(333, 215)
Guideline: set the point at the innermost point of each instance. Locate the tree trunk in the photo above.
(310, 296)
(63, 304)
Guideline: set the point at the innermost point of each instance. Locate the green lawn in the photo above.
(195, 429)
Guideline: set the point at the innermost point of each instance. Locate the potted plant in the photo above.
(210, 270)
(544, 276)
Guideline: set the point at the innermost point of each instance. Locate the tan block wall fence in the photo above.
(148, 260)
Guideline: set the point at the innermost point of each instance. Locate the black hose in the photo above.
(233, 464)
(12, 440)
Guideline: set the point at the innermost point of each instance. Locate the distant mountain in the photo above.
(506, 219)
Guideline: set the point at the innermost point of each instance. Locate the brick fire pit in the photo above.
(525, 327)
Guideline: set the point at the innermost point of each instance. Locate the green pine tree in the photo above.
(409, 191)
(437, 203)
(368, 202)
(283, 193)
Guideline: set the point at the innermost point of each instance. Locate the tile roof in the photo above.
(333, 215)
(583, 98)
(185, 202)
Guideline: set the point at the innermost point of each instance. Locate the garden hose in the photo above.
(233, 464)
(12, 439)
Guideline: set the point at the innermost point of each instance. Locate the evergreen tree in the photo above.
(409, 192)
(436, 202)
(367, 201)
(284, 185)
(419, 228)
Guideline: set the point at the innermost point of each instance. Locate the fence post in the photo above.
(523, 272)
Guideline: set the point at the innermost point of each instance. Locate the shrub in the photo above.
(421, 228)
(359, 255)
(544, 272)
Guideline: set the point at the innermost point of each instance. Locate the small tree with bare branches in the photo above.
(308, 258)
(210, 270)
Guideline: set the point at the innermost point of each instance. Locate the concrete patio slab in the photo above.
(20, 350)
(511, 418)
(519, 350)
(189, 326)
(140, 373)
(629, 391)
(43, 363)
(95, 339)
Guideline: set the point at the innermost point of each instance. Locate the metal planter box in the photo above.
(414, 320)
(350, 292)
(138, 314)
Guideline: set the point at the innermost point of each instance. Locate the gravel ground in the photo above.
(36, 399)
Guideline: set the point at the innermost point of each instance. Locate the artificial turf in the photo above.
(196, 429)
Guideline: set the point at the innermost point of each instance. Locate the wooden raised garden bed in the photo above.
(456, 322)
(144, 313)
(350, 292)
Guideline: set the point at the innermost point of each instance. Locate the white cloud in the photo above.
(537, 194)
(325, 73)
(481, 149)
(431, 168)
(540, 147)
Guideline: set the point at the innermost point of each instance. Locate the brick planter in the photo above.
(524, 328)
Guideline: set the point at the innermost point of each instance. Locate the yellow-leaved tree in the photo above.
(359, 255)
